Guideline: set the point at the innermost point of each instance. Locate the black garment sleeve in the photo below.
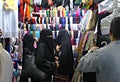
(42, 62)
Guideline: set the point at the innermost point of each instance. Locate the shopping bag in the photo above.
(60, 78)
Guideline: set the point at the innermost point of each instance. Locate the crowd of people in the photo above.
(52, 56)
(55, 56)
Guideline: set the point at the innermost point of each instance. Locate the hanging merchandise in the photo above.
(106, 5)
(55, 12)
(105, 22)
(37, 2)
(71, 4)
(88, 2)
(10, 21)
(77, 16)
(48, 13)
(21, 11)
(92, 20)
(9, 4)
(89, 20)
(97, 1)
(77, 2)
(31, 6)
(27, 9)
(66, 3)
(1, 6)
(44, 4)
(50, 2)
(84, 21)
(58, 2)
(36, 8)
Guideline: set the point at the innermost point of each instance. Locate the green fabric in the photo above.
(77, 2)
(31, 8)
(78, 76)
(48, 13)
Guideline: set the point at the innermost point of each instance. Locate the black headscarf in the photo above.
(28, 42)
(63, 37)
(46, 37)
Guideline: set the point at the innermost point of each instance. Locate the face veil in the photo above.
(47, 37)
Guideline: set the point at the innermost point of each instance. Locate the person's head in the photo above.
(46, 36)
(63, 37)
(115, 29)
(28, 41)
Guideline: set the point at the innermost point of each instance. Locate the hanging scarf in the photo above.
(27, 11)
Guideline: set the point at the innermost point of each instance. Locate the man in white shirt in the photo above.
(104, 61)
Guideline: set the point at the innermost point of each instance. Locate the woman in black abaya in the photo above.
(28, 49)
(65, 54)
(44, 54)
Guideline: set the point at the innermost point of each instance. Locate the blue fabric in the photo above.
(37, 34)
(67, 13)
(63, 20)
(32, 27)
(16, 73)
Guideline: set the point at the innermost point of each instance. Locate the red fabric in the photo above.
(32, 21)
(36, 8)
(21, 10)
(27, 13)
(40, 20)
(50, 2)
(35, 15)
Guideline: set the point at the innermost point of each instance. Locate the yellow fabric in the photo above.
(61, 8)
(9, 4)
(55, 12)
(89, 2)
(64, 13)
(79, 49)
(90, 20)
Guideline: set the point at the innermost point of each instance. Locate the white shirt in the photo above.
(105, 62)
(6, 66)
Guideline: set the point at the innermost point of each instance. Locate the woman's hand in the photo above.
(56, 61)
(58, 48)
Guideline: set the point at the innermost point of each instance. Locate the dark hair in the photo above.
(13, 50)
(115, 28)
